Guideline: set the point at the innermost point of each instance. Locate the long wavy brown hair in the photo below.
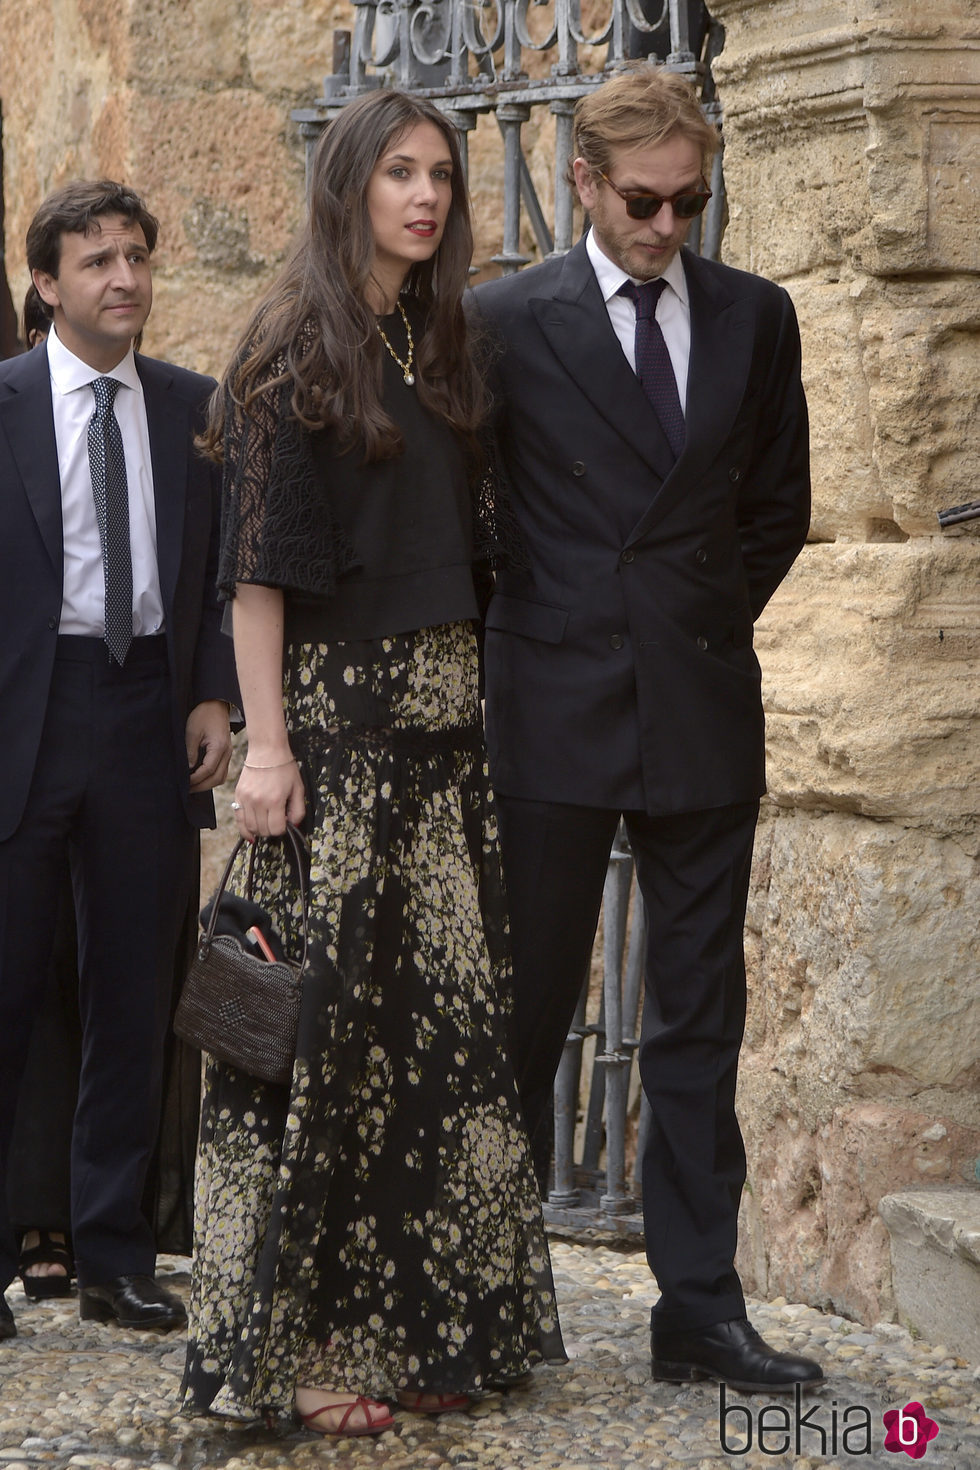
(314, 329)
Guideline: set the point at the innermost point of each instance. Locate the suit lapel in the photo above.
(27, 419)
(576, 325)
(722, 336)
(168, 423)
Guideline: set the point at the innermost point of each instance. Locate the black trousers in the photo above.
(693, 873)
(106, 794)
(39, 1168)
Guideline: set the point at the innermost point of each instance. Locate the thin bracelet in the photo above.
(276, 766)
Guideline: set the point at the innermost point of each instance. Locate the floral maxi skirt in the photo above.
(376, 1226)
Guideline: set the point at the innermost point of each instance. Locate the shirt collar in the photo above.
(610, 276)
(68, 372)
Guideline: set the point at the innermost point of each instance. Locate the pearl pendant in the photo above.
(410, 379)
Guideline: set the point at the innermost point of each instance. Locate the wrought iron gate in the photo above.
(507, 58)
(474, 57)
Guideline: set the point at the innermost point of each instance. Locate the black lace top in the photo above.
(361, 550)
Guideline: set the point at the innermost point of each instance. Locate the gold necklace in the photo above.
(406, 367)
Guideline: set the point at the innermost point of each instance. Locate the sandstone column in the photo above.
(853, 167)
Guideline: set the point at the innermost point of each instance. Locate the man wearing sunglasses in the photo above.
(652, 424)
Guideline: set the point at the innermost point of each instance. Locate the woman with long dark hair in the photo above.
(372, 1235)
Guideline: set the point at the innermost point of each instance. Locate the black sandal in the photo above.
(47, 1252)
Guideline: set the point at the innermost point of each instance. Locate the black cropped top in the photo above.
(361, 550)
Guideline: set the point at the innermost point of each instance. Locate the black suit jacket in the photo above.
(186, 494)
(619, 669)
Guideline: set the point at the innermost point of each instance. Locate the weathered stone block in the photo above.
(867, 977)
(890, 369)
(290, 43)
(861, 1061)
(178, 48)
(175, 326)
(810, 1220)
(869, 657)
(935, 1255)
(230, 152)
(859, 125)
(56, 77)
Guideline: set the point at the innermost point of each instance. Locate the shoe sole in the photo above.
(693, 1373)
(96, 1311)
(358, 1433)
(454, 1406)
(60, 1287)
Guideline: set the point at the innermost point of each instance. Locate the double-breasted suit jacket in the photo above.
(620, 667)
(200, 657)
(621, 679)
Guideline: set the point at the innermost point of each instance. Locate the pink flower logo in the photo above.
(909, 1429)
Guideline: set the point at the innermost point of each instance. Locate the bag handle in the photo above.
(300, 851)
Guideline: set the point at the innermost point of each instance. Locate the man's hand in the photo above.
(208, 739)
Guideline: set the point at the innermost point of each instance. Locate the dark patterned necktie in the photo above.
(653, 365)
(107, 464)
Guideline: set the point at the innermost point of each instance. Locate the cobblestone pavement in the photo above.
(91, 1395)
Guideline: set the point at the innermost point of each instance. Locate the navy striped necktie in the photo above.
(653, 365)
(107, 463)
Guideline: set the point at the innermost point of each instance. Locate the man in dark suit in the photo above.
(653, 427)
(115, 686)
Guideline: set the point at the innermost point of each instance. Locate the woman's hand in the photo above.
(268, 796)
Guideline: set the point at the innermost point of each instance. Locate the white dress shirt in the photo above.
(673, 311)
(83, 593)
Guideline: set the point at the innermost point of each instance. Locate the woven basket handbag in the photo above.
(238, 1006)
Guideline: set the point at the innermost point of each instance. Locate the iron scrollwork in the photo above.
(487, 56)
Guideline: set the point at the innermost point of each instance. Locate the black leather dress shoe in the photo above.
(730, 1352)
(8, 1327)
(132, 1301)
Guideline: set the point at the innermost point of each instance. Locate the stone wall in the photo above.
(852, 151)
(851, 157)
(190, 102)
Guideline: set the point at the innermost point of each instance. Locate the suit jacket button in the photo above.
(628, 556)
(578, 468)
(702, 643)
(734, 474)
(617, 640)
(52, 622)
(701, 556)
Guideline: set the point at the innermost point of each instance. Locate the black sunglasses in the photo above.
(686, 204)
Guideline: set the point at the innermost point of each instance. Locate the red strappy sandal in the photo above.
(350, 1406)
(433, 1403)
